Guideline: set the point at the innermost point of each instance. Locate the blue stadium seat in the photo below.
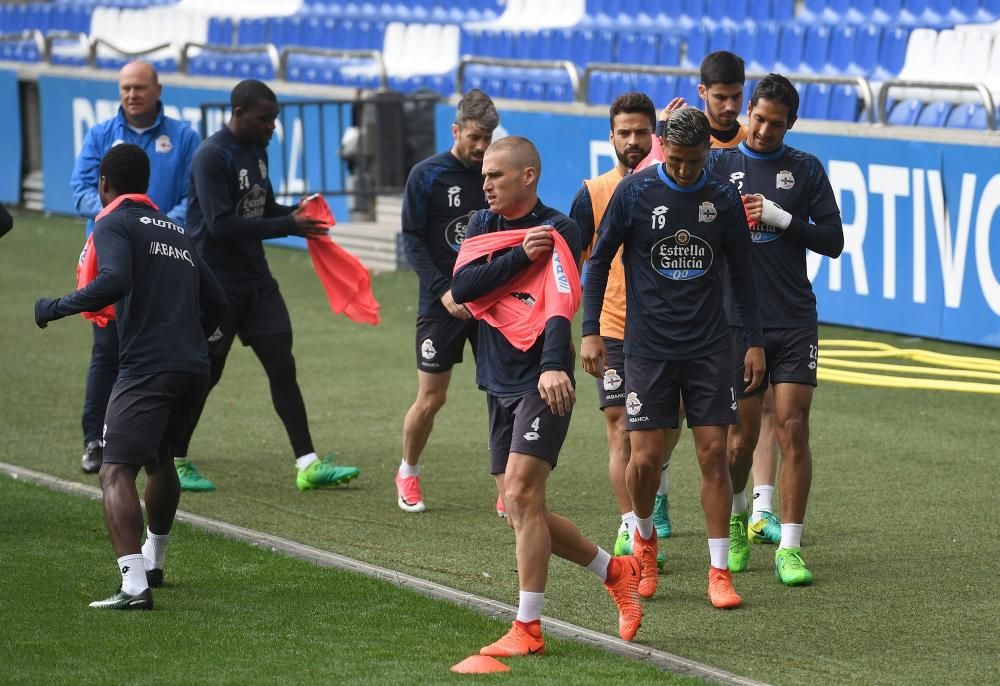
(692, 13)
(761, 52)
(670, 51)
(638, 48)
(251, 32)
(911, 13)
(687, 88)
(782, 10)
(959, 11)
(790, 47)
(905, 112)
(891, 53)
(864, 55)
(843, 45)
(761, 11)
(812, 12)
(697, 47)
(722, 38)
(621, 82)
(599, 89)
(967, 117)
(989, 11)
(844, 104)
(934, 114)
(736, 13)
(886, 11)
(817, 101)
(220, 31)
(663, 91)
(816, 50)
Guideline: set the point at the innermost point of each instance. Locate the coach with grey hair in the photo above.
(678, 227)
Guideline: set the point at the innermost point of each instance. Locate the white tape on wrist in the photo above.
(773, 215)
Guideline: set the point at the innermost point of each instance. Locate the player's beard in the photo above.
(623, 157)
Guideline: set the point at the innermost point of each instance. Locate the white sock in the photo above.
(405, 470)
(529, 607)
(628, 521)
(644, 525)
(133, 574)
(740, 502)
(599, 567)
(718, 551)
(761, 501)
(154, 550)
(306, 460)
(664, 480)
(791, 536)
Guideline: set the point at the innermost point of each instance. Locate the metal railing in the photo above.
(373, 55)
(267, 48)
(571, 69)
(98, 43)
(979, 87)
(27, 35)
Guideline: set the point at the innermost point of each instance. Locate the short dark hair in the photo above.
(126, 167)
(633, 103)
(477, 107)
(246, 94)
(777, 88)
(722, 66)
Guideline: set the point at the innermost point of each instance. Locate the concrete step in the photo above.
(379, 245)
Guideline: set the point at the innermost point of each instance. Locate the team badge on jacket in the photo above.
(785, 180)
(163, 144)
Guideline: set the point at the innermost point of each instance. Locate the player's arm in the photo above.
(610, 236)
(86, 175)
(211, 178)
(737, 246)
(826, 234)
(478, 278)
(212, 300)
(554, 383)
(112, 283)
(6, 221)
(416, 208)
(189, 140)
(582, 212)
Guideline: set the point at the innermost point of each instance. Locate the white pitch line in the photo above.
(658, 658)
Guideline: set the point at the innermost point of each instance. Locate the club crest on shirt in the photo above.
(454, 233)
(681, 257)
(707, 212)
(427, 350)
(163, 144)
(785, 181)
(612, 380)
(632, 404)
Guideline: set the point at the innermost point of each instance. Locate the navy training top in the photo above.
(796, 182)
(167, 302)
(441, 195)
(676, 240)
(231, 209)
(501, 369)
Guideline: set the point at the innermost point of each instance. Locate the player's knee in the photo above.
(520, 498)
(430, 402)
(794, 432)
(741, 445)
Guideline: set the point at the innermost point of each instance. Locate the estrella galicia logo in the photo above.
(681, 257)
(454, 233)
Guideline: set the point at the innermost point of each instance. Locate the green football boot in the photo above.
(767, 529)
(790, 569)
(190, 478)
(123, 601)
(623, 544)
(323, 473)
(661, 517)
(739, 544)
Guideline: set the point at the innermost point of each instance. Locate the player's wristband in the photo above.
(772, 215)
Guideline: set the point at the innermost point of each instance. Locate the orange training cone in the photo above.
(479, 664)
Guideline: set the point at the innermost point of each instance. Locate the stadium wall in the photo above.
(921, 217)
(10, 124)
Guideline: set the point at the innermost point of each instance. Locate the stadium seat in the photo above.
(670, 51)
(891, 53)
(864, 51)
(934, 114)
(858, 12)
(920, 52)
(790, 47)
(885, 12)
(967, 117)
(844, 104)
(905, 112)
(599, 89)
(761, 11)
(692, 13)
(843, 46)
(911, 13)
(812, 12)
(722, 38)
(687, 88)
(988, 11)
(762, 47)
(817, 101)
(697, 47)
(816, 50)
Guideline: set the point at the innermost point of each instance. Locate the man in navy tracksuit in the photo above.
(678, 228)
(167, 303)
(232, 209)
(170, 146)
(442, 193)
